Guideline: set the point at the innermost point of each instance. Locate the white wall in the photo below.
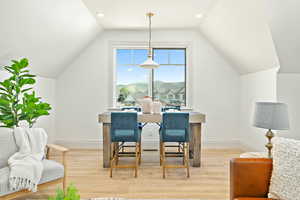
(259, 86)
(45, 88)
(288, 87)
(84, 88)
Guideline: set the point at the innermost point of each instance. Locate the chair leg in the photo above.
(187, 158)
(136, 159)
(117, 152)
(140, 153)
(160, 153)
(163, 159)
(123, 147)
(65, 184)
(111, 161)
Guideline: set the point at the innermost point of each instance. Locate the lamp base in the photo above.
(269, 145)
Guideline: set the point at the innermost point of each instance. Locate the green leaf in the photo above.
(16, 67)
(26, 81)
(25, 90)
(3, 89)
(4, 102)
(6, 84)
(27, 76)
(23, 63)
(24, 71)
(7, 68)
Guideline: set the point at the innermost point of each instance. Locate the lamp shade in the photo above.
(149, 64)
(270, 115)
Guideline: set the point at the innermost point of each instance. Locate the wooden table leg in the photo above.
(106, 145)
(191, 149)
(196, 131)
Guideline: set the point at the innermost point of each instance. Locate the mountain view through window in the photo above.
(166, 83)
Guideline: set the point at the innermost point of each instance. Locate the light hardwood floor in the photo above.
(210, 182)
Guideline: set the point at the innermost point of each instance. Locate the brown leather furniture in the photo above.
(250, 178)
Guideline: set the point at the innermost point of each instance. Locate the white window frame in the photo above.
(114, 45)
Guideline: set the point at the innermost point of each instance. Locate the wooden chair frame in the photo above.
(118, 151)
(49, 147)
(184, 155)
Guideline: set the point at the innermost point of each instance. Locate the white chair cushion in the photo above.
(285, 180)
(52, 171)
(7, 145)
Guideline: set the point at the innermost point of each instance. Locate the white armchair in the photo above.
(53, 173)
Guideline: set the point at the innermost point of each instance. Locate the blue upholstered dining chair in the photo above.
(175, 128)
(166, 108)
(124, 128)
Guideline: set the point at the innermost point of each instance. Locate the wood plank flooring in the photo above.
(210, 182)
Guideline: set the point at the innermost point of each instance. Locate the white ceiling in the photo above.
(240, 31)
(284, 20)
(130, 14)
(49, 32)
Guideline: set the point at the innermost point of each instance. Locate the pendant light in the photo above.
(149, 63)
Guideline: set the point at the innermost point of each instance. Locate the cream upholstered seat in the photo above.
(53, 171)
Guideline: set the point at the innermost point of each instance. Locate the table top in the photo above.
(195, 117)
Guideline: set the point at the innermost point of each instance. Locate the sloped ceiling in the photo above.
(240, 31)
(284, 20)
(51, 33)
(48, 32)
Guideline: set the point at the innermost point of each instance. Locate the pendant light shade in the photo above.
(149, 63)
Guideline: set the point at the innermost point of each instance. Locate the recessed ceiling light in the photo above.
(199, 15)
(100, 14)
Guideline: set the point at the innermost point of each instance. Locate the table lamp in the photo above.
(271, 116)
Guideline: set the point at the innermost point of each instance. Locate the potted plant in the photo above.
(18, 101)
(71, 194)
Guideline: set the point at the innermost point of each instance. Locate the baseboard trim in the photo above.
(150, 144)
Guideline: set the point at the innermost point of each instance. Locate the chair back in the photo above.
(164, 109)
(123, 121)
(175, 121)
(131, 108)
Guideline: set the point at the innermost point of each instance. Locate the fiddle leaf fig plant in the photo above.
(16, 103)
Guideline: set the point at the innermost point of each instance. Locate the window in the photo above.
(166, 84)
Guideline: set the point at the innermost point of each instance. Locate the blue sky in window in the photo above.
(128, 70)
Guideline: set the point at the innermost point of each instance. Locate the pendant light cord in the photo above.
(150, 53)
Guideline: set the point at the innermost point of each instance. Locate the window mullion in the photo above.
(150, 92)
(152, 78)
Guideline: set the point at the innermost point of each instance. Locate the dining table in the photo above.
(196, 119)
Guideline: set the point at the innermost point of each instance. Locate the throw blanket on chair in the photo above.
(26, 165)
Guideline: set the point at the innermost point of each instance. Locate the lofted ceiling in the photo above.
(49, 32)
(284, 20)
(130, 14)
(240, 31)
